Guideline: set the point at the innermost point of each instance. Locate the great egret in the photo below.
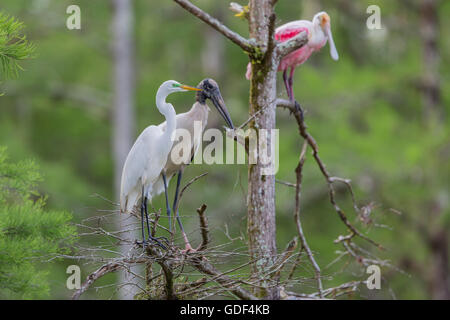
(319, 31)
(146, 160)
(198, 112)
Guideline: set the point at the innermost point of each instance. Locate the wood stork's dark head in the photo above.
(210, 90)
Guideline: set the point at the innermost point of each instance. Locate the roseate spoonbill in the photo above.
(198, 112)
(319, 32)
(146, 160)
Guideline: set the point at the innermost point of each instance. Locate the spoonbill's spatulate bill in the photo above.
(148, 156)
(319, 33)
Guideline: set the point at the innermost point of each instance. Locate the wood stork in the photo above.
(198, 112)
(148, 156)
(318, 31)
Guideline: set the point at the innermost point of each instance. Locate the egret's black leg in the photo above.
(167, 202)
(155, 239)
(286, 84)
(145, 212)
(142, 218)
(146, 216)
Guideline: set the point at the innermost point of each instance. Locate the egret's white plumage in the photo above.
(148, 156)
(149, 162)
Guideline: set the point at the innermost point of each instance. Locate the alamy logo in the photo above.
(261, 147)
(374, 20)
(374, 280)
(74, 280)
(74, 20)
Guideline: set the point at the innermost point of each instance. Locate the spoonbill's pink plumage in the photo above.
(319, 33)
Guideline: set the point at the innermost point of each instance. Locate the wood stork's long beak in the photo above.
(218, 102)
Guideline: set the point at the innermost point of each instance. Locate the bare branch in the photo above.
(296, 263)
(205, 267)
(295, 109)
(168, 274)
(289, 184)
(346, 288)
(100, 272)
(309, 253)
(187, 186)
(203, 227)
(295, 43)
(284, 257)
(242, 42)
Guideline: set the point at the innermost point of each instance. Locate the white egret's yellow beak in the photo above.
(189, 88)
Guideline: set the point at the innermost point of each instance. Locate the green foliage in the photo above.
(29, 234)
(14, 46)
(364, 111)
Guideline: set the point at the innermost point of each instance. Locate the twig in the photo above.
(345, 288)
(168, 274)
(186, 288)
(207, 268)
(100, 272)
(299, 176)
(187, 186)
(284, 258)
(203, 227)
(289, 184)
(296, 263)
(217, 25)
(296, 110)
(155, 222)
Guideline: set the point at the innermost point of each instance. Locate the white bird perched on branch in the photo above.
(186, 121)
(148, 156)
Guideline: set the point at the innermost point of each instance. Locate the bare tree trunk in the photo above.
(123, 115)
(439, 281)
(429, 31)
(265, 55)
(440, 269)
(261, 188)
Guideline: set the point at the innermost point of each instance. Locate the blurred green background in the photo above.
(379, 115)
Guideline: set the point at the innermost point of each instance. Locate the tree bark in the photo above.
(123, 114)
(264, 54)
(440, 274)
(439, 280)
(429, 31)
(261, 188)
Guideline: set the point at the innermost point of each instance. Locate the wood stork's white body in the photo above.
(198, 112)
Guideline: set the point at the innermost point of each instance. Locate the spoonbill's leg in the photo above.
(175, 208)
(286, 84)
(291, 83)
(169, 214)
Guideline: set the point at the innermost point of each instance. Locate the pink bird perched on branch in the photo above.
(319, 32)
